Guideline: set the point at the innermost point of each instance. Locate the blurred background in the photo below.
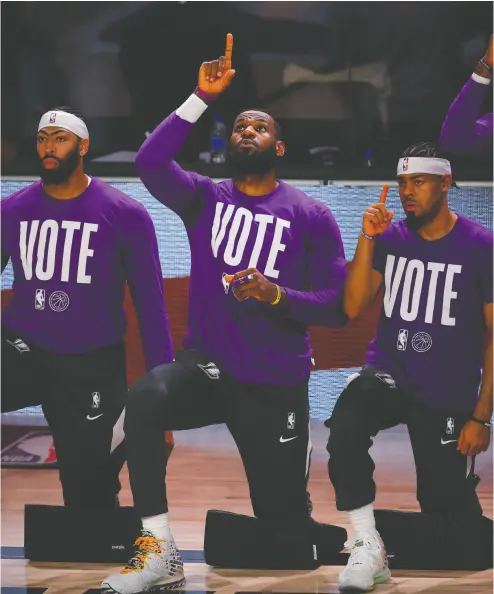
(352, 83)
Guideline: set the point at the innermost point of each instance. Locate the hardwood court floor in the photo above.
(205, 472)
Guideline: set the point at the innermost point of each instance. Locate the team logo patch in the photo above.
(53, 117)
(421, 342)
(59, 301)
(402, 342)
(20, 345)
(405, 164)
(39, 299)
(290, 423)
(450, 425)
(210, 370)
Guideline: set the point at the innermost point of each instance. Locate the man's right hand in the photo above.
(216, 76)
(376, 218)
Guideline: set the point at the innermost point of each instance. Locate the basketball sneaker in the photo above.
(155, 567)
(367, 565)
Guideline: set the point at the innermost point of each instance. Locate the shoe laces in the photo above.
(359, 549)
(145, 545)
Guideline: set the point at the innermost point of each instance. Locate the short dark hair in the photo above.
(426, 149)
(71, 110)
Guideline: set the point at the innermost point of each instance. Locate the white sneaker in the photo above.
(156, 566)
(367, 565)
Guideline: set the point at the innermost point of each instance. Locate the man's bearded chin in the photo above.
(55, 177)
(246, 162)
(414, 222)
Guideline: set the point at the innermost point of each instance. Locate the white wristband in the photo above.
(481, 79)
(192, 109)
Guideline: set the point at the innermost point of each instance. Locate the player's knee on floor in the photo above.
(415, 540)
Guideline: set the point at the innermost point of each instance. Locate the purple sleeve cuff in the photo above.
(203, 95)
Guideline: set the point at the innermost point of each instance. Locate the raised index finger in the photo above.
(228, 50)
(384, 194)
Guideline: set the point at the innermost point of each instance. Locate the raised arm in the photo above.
(162, 176)
(364, 281)
(466, 128)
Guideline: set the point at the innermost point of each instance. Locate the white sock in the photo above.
(363, 520)
(159, 526)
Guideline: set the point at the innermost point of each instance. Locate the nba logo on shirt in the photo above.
(291, 421)
(401, 345)
(405, 164)
(53, 117)
(225, 283)
(39, 299)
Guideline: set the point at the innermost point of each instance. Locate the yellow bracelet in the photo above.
(278, 296)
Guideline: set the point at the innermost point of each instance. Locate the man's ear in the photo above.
(446, 182)
(280, 148)
(84, 147)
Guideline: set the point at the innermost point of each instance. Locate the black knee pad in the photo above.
(236, 541)
(415, 540)
(96, 535)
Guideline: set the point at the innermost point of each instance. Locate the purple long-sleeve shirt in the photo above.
(291, 239)
(466, 129)
(71, 260)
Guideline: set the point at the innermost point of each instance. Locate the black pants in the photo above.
(82, 397)
(369, 404)
(270, 425)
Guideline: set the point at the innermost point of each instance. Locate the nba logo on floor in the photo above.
(401, 345)
(39, 299)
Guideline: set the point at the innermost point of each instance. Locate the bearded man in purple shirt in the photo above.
(74, 242)
(432, 350)
(267, 260)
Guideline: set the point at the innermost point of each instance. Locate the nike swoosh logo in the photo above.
(283, 440)
(447, 441)
(94, 418)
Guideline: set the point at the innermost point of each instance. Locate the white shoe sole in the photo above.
(379, 578)
(107, 589)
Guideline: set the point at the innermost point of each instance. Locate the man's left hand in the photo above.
(474, 439)
(251, 283)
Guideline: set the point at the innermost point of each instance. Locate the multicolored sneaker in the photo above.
(155, 567)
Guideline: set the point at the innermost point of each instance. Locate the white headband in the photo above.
(65, 121)
(432, 165)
